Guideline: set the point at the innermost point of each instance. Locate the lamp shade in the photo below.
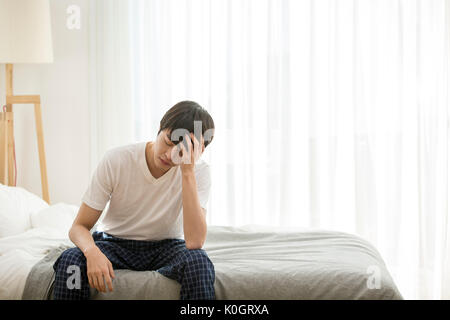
(25, 31)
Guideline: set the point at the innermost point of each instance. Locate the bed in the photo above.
(252, 262)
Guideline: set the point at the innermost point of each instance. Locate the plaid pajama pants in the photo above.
(170, 257)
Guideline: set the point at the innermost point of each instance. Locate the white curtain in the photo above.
(329, 114)
(110, 101)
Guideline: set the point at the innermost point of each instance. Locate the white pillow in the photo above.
(16, 207)
(58, 216)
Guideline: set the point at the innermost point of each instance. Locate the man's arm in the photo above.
(99, 268)
(194, 221)
(79, 233)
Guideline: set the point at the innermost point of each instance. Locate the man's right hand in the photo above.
(99, 269)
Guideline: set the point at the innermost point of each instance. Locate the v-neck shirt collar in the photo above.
(146, 171)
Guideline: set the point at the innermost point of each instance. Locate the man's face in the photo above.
(163, 149)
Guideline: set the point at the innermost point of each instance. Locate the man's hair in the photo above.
(182, 116)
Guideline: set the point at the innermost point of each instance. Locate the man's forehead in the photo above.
(169, 133)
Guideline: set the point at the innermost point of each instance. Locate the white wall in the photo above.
(63, 86)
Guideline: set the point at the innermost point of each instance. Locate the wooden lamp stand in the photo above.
(8, 145)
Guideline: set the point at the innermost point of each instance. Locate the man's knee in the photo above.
(70, 276)
(197, 254)
(70, 258)
(199, 257)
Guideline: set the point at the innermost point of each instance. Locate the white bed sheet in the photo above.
(20, 252)
(48, 228)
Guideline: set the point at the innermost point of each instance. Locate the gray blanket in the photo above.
(258, 264)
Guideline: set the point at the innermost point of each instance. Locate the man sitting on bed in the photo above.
(158, 191)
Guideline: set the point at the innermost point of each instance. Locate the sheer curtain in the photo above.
(329, 114)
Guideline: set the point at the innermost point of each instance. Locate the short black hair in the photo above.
(182, 116)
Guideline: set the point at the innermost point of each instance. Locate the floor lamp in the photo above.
(25, 37)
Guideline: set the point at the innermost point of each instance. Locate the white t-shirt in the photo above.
(141, 207)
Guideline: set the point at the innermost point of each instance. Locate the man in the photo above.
(157, 191)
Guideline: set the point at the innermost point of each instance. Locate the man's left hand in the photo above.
(194, 152)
